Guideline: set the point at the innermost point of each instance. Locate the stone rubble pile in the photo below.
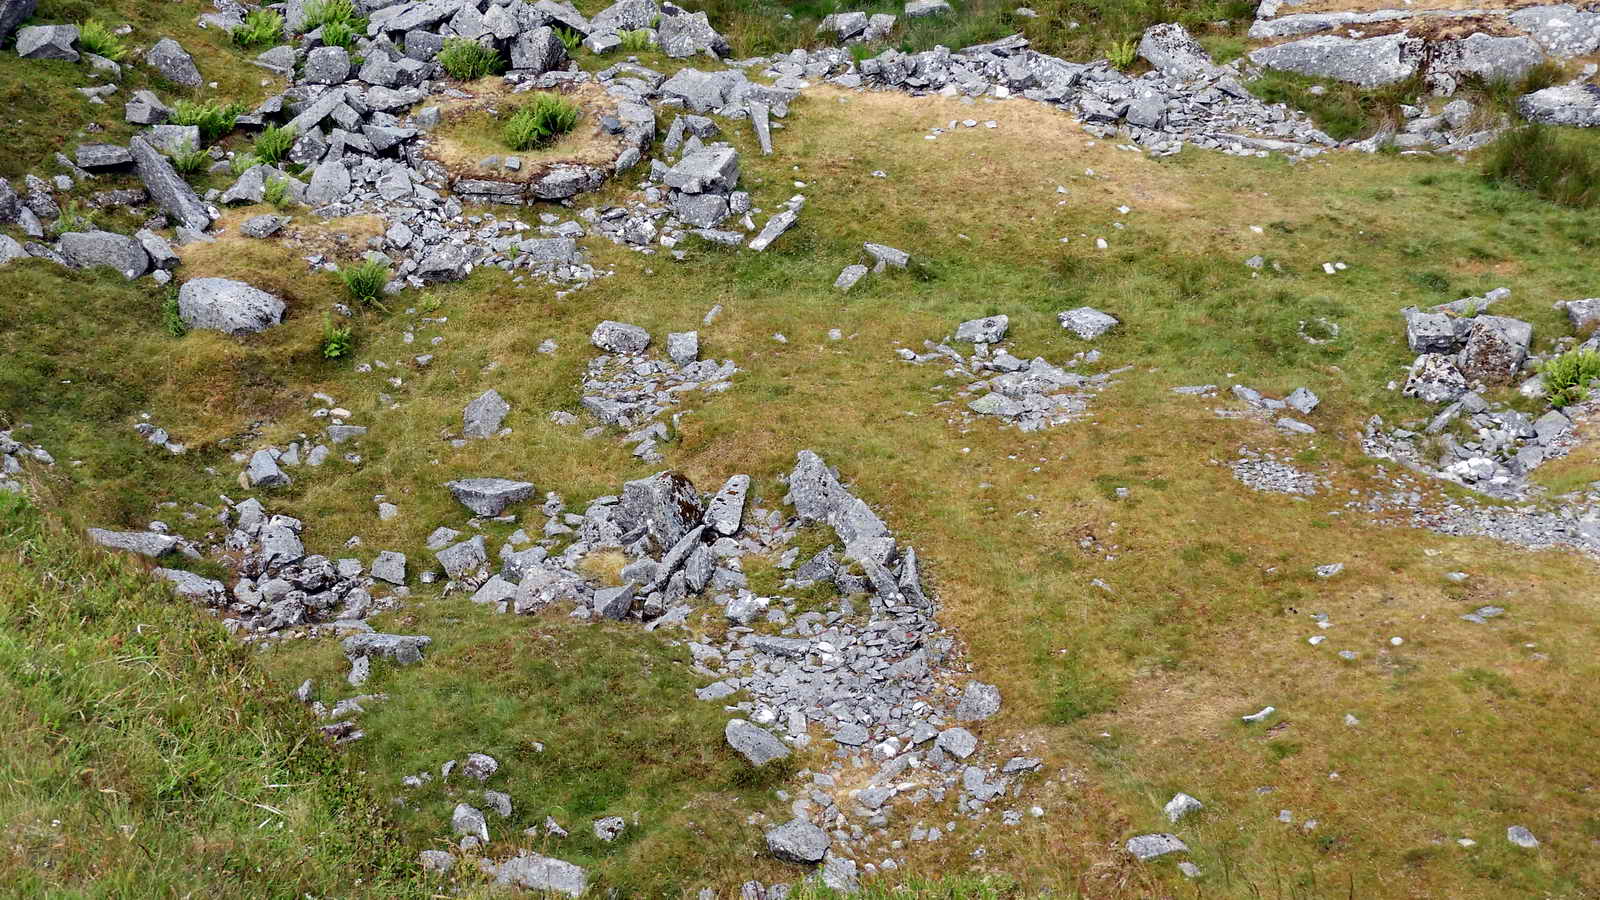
(628, 389)
(13, 456)
(1267, 473)
(1027, 394)
(1300, 401)
(1186, 100)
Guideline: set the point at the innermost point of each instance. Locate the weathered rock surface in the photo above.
(753, 742)
(489, 496)
(222, 304)
(798, 841)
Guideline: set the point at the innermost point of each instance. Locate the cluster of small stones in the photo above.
(626, 388)
(1300, 401)
(1463, 351)
(1269, 474)
(13, 456)
(1029, 395)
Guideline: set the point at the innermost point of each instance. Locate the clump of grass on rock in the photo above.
(262, 28)
(468, 60)
(214, 119)
(94, 37)
(540, 122)
(1562, 168)
(273, 144)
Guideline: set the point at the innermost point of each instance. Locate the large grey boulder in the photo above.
(1087, 322)
(1577, 105)
(167, 187)
(48, 42)
(192, 586)
(665, 505)
(482, 417)
(173, 62)
(1368, 62)
(10, 249)
(222, 304)
(626, 14)
(171, 139)
(532, 872)
(465, 558)
(988, 330)
(817, 496)
(98, 157)
(1562, 30)
(326, 65)
(1496, 347)
(702, 91)
(1434, 378)
(978, 701)
(725, 513)
(798, 841)
(620, 337)
(263, 471)
(685, 34)
(1485, 56)
(12, 14)
(538, 51)
(707, 170)
(329, 182)
(1169, 48)
(753, 742)
(1428, 332)
(404, 649)
(1584, 314)
(142, 543)
(489, 496)
(145, 108)
(1150, 846)
(916, 9)
(89, 249)
(468, 821)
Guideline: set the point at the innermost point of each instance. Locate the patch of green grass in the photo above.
(188, 159)
(277, 192)
(146, 755)
(1342, 111)
(171, 319)
(635, 40)
(1502, 94)
(364, 281)
(337, 342)
(1077, 690)
(945, 887)
(1123, 54)
(214, 118)
(1557, 164)
(1568, 377)
(339, 34)
(540, 121)
(261, 28)
(273, 143)
(467, 60)
(73, 218)
(322, 13)
(95, 37)
(244, 162)
(571, 40)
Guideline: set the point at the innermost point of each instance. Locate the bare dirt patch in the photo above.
(470, 131)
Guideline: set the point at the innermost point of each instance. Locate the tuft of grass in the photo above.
(1568, 377)
(467, 60)
(214, 118)
(1342, 111)
(95, 37)
(261, 28)
(636, 40)
(322, 13)
(277, 192)
(540, 121)
(1562, 168)
(244, 162)
(1502, 93)
(339, 34)
(364, 281)
(336, 343)
(944, 887)
(1123, 53)
(170, 319)
(188, 159)
(273, 143)
(72, 218)
(569, 39)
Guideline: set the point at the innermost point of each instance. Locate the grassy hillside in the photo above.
(144, 754)
(1128, 594)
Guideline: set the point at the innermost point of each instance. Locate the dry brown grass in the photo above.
(471, 131)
